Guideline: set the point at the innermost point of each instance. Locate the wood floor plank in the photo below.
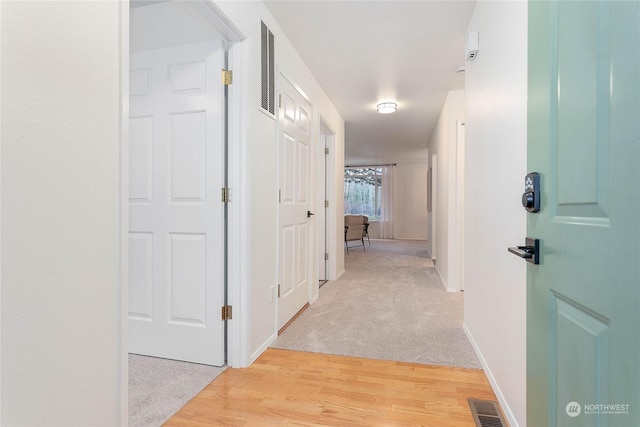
(285, 387)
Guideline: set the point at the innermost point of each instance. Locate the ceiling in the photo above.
(365, 52)
(156, 24)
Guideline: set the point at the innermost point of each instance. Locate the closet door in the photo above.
(176, 250)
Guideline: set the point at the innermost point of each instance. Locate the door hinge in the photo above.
(326, 150)
(326, 256)
(280, 101)
(227, 312)
(279, 196)
(326, 203)
(227, 77)
(226, 194)
(278, 290)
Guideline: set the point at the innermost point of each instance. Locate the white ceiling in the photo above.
(364, 52)
(156, 24)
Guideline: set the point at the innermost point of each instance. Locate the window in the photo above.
(363, 192)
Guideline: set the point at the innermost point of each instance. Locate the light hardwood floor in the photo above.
(285, 387)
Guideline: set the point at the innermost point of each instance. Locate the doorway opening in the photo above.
(176, 157)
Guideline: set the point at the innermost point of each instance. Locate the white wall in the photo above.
(61, 342)
(443, 145)
(496, 144)
(260, 160)
(410, 200)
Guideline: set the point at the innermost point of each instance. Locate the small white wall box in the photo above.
(471, 47)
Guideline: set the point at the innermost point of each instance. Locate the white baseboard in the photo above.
(422, 239)
(263, 347)
(444, 282)
(494, 385)
(339, 275)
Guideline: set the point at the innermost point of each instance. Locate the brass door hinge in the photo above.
(326, 203)
(278, 290)
(226, 195)
(227, 77)
(326, 256)
(227, 312)
(326, 150)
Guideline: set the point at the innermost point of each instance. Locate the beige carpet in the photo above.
(390, 304)
(158, 388)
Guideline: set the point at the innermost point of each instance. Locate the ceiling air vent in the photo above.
(487, 413)
(268, 70)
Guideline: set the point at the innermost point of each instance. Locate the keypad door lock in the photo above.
(531, 195)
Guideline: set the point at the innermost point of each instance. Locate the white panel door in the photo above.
(295, 229)
(176, 246)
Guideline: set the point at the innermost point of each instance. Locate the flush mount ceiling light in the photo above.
(387, 107)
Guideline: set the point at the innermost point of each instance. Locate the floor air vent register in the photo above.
(487, 413)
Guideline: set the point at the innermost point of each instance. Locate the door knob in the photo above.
(523, 251)
(530, 251)
(309, 213)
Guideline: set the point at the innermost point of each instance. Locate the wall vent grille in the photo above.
(268, 70)
(487, 413)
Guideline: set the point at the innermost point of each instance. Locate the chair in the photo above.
(353, 233)
(365, 220)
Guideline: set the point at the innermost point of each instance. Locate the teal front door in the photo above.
(583, 300)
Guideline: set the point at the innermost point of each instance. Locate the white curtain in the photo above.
(386, 222)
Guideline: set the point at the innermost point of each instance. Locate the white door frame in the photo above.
(238, 223)
(329, 163)
(321, 211)
(238, 228)
(124, 213)
(434, 208)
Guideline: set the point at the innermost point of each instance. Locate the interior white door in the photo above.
(294, 229)
(176, 245)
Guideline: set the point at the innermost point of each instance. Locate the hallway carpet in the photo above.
(160, 387)
(390, 304)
